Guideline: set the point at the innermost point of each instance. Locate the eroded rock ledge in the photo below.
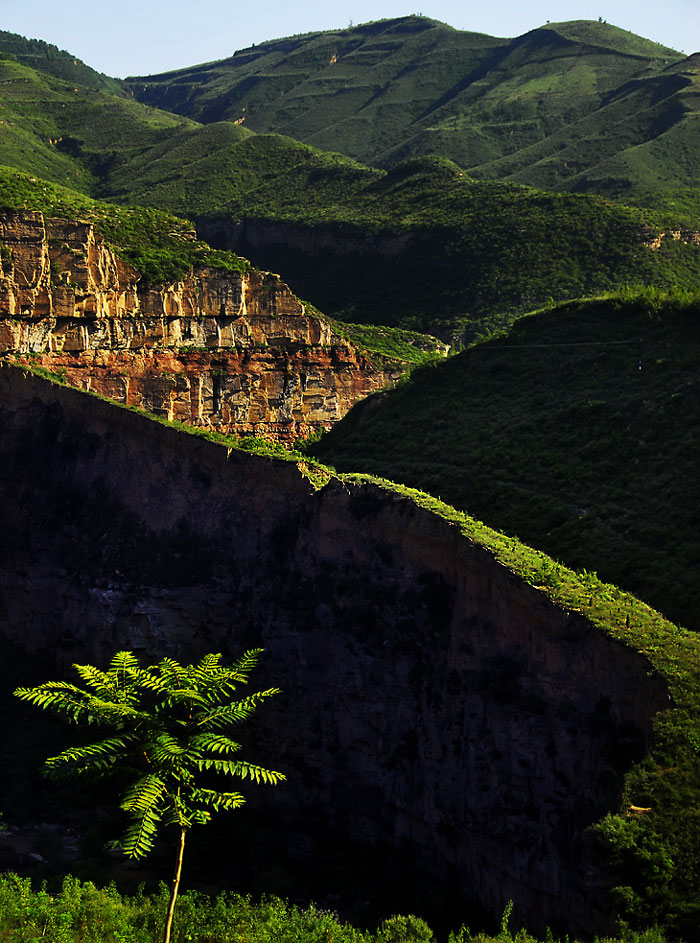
(234, 352)
(432, 699)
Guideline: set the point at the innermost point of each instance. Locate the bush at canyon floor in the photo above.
(81, 912)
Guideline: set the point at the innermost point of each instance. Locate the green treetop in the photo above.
(168, 725)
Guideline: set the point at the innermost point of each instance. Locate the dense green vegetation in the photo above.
(578, 431)
(578, 106)
(638, 140)
(392, 343)
(438, 251)
(68, 133)
(45, 57)
(81, 912)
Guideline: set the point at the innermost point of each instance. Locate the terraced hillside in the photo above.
(582, 105)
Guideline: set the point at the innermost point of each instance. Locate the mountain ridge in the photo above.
(48, 58)
(387, 91)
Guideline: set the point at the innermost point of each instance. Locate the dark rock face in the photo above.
(431, 698)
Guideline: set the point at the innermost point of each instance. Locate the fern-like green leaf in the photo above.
(226, 714)
(215, 742)
(139, 837)
(97, 758)
(98, 680)
(145, 794)
(185, 696)
(241, 769)
(166, 752)
(122, 661)
(218, 800)
(245, 664)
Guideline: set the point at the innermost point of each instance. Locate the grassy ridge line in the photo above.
(605, 605)
(579, 431)
(45, 57)
(673, 651)
(390, 343)
(656, 855)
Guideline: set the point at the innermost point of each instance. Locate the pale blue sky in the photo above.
(137, 36)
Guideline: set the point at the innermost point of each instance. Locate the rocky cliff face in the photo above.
(233, 352)
(432, 700)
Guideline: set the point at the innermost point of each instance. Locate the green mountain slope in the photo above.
(328, 89)
(45, 57)
(642, 139)
(566, 106)
(579, 432)
(71, 134)
(426, 247)
(535, 87)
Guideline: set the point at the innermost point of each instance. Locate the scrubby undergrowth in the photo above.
(81, 912)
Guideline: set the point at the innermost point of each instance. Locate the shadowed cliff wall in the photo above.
(431, 698)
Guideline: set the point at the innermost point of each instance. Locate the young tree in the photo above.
(167, 726)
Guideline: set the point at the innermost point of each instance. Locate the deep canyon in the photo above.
(432, 700)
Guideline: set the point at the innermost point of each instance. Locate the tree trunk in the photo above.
(175, 887)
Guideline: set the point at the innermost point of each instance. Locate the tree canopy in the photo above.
(167, 730)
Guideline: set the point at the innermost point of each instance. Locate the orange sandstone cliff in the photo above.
(232, 352)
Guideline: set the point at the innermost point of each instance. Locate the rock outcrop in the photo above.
(432, 700)
(232, 352)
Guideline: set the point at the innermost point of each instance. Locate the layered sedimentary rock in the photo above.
(432, 700)
(232, 352)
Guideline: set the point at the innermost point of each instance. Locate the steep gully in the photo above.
(433, 701)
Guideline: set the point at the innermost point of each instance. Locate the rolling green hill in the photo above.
(353, 90)
(45, 57)
(579, 432)
(581, 106)
(71, 134)
(639, 143)
(426, 247)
